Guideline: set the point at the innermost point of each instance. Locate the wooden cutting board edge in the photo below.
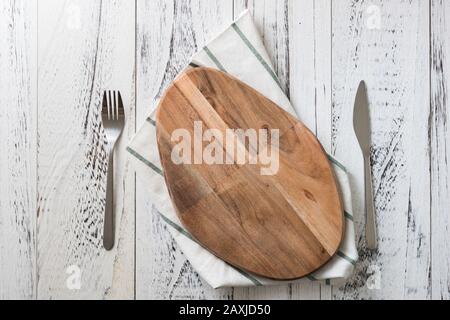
(343, 221)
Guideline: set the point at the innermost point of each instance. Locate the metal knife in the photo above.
(361, 125)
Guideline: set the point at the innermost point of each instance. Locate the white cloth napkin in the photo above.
(240, 52)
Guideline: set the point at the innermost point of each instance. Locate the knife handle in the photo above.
(108, 231)
(371, 227)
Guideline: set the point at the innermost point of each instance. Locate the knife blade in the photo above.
(361, 126)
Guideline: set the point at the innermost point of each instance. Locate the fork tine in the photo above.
(112, 105)
(109, 106)
(104, 104)
(116, 102)
(115, 105)
(121, 111)
(107, 102)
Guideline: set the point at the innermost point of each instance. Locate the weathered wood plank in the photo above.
(297, 36)
(18, 113)
(84, 47)
(169, 33)
(310, 87)
(440, 152)
(393, 57)
(310, 65)
(272, 20)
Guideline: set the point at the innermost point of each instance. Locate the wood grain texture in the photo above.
(283, 224)
(84, 47)
(165, 43)
(297, 36)
(271, 19)
(394, 61)
(440, 151)
(310, 65)
(17, 149)
(310, 88)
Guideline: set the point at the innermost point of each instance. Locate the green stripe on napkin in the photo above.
(345, 257)
(188, 235)
(256, 53)
(145, 161)
(214, 59)
(348, 216)
(176, 226)
(333, 160)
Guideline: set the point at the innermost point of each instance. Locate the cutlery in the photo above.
(361, 125)
(279, 214)
(113, 118)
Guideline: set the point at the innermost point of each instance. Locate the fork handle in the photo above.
(108, 231)
(371, 227)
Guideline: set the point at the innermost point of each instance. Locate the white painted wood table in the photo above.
(56, 57)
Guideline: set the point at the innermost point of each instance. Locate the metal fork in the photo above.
(113, 118)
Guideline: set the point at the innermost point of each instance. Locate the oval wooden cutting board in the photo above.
(282, 225)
